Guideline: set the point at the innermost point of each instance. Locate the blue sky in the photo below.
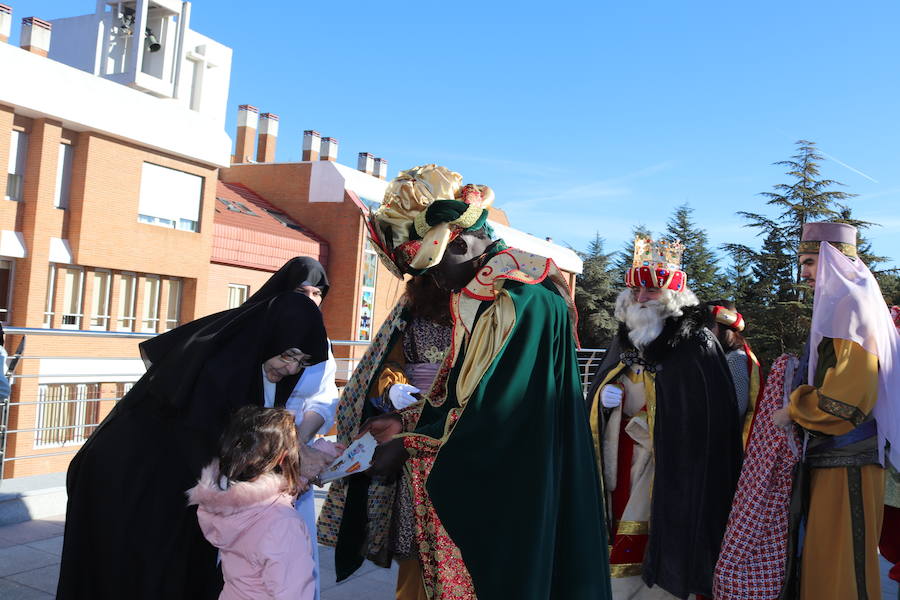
(586, 117)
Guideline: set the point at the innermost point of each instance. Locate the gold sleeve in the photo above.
(391, 372)
(845, 396)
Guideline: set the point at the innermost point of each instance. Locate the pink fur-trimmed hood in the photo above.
(226, 514)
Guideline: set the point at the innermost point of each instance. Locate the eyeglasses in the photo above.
(295, 357)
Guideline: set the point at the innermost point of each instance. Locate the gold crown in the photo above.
(662, 254)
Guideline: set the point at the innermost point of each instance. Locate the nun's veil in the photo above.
(217, 359)
(301, 270)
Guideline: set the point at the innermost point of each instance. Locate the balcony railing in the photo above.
(67, 408)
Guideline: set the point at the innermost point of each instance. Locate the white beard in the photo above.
(645, 322)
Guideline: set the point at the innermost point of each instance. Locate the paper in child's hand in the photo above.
(355, 459)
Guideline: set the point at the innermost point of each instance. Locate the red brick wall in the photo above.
(221, 275)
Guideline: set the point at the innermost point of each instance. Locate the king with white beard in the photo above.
(667, 434)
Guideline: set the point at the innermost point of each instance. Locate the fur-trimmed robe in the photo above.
(696, 446)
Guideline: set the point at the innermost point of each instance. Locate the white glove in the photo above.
(611, 396)
(401, 395)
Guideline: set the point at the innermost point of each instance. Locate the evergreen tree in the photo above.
(595, 296)
(806, 198)
(698, 260)
(777, 308)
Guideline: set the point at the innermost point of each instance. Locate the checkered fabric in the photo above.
(752, 559)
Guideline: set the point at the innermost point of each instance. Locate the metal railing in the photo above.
(65, 413)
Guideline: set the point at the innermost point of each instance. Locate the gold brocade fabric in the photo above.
(411, 193)
(755, 388)
(625, 570)
(647, 379)
(845, 395)
(632, 528)
(811, 247)
(488, 337)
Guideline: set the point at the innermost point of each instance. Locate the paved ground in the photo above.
(29, 567)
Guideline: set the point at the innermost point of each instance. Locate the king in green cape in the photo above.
(498, 456)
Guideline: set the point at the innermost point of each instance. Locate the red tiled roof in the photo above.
(259, 241)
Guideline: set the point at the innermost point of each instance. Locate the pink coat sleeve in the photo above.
(288, 564)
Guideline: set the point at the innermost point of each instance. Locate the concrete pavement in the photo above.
(29, 566)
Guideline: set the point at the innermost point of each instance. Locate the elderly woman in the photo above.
(129, 532)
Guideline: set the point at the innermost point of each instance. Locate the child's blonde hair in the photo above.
(258, 441)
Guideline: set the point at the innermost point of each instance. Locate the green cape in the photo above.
(516, 484)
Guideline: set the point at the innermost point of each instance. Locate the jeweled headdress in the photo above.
(425, 208)
(840, 235)
(728, 317)
(656, 264)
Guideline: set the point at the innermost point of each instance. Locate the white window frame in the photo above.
(174, 308)
(18, 151)
(51, 297)
(150, 316)
(120, 313)
(170, 198)
(76, 317)
(236, 291)
(72, 431)
(103, 319)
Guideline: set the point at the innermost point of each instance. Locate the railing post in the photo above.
(4, 426)
(5, 402)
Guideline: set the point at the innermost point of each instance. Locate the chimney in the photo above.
(329, 149)
(5, 22)
(268, 135)
(365, 163)
(311, 144)
(381, 168)
(35, 36)
(248, 117)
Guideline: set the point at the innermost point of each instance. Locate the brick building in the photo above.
(113, 143)
(327, 197)
(127, 212)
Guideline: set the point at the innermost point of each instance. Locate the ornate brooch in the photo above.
(631, 357)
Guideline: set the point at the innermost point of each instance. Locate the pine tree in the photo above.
(805, 199)
(776, 307)
(698, 260)
(595, 295)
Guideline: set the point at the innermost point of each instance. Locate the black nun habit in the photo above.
(129, 532)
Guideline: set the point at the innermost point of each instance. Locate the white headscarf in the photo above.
(848, 305)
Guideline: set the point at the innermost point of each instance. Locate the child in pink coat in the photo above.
(245, 508)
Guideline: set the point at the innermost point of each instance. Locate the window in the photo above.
(5, 289)
(73, 280)
(127, 297)
(173, 312)
(237, 294)
(367, 293)
(51, 288)
(18, 149)
(100, 300)
(281, 218)
(63, 176)
(170, 198)
(151, 304)
(236, 206)
(122, 389)
(67, 413)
